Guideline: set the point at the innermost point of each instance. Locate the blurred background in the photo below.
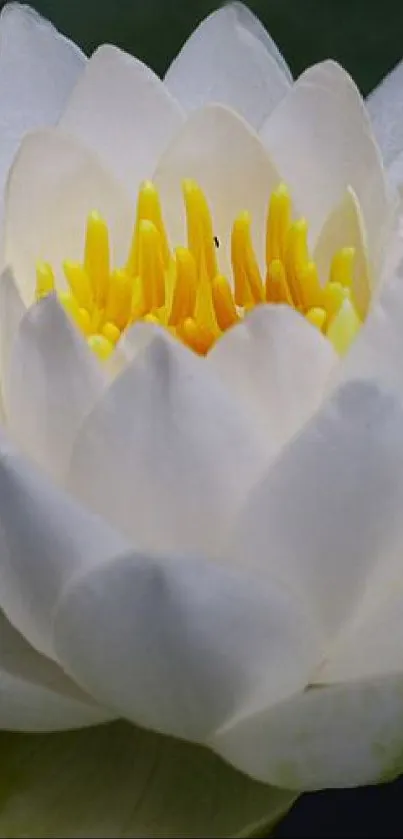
(367, 38)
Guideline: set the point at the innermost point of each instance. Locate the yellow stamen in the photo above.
(96, 259)
(224, 305)
(71, 306)
(198, 336)
(148, 209)
(317, 316)
(184, 291)
(247, 279)
(341, 269)
(296, 259)
(277, 290)
(151, 266)
(45, 280)
(333, 297)
(344, 327)
(199, 227)
(185, 287)
(101, 346)
(138, 306)
(79, 283)
(310, 288)
(111, 332)
(118, 304)
(278, 223)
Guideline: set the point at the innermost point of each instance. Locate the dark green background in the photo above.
(366, 37)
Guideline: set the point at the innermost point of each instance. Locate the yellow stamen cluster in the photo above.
(185, 292)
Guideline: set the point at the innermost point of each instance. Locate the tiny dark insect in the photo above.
(216, 241)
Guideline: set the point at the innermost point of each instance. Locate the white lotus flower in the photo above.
(207, 543)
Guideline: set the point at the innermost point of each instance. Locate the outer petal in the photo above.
(217, 149)
(53, 185)
(321, 141)
(181, 644)
(371, 645)
(330, 506)
(278, 365)
(12, 311)
(52, 382)
(378, 349)
(338, 736)
(38, 68)
(167, 455)
(385, 110)
(231, 59)
(123, 111)
(45, 537)
(35, 695)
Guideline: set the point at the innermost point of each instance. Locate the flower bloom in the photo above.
(201, 473)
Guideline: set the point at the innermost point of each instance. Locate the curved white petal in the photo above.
(53, 185)
(35, 694)
(167, 455)
(378, 348)
(330, 506)
(395, 172)
(230, 59)
(344, 228)
(132, 341)
(227, 159)
(124, 112)
(38, 68)
(278, 365)
(45, 538)
(371, 645)
(52, 382)
(181, 644)
(320, 139)
(338, 736)
(12, 311)
(393, 242)
(385, 110)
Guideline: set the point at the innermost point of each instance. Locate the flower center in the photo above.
(184, 290)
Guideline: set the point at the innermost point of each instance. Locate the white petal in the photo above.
(385, 110)
(35, 695)
(217, 149)
(371, 645)
(230, 59)
(330, 506)
(320, 139)
(344, 228)
(123, 111)
(278, 365)
(11, 313)
(133, 340)
(38, 68)
(53, 185)
(378, 348)
(395, 172)
(167, 455)
(339, 736)
(181, 644)
(52, 382)
(45, 537)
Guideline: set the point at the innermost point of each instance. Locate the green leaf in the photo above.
(120, 781)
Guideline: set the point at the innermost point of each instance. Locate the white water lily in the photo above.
(208, 544)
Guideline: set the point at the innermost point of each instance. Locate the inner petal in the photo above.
(183, 289)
